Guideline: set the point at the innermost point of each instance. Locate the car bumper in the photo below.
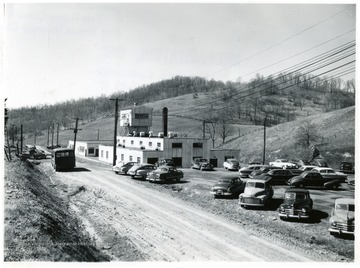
(340, 231)
(294, 215)
(220, 193)
(253, 202)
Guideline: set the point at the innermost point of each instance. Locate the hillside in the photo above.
(337, 142)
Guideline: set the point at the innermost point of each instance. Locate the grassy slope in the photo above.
(337, 128)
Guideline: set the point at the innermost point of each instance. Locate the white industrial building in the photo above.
(87, 148)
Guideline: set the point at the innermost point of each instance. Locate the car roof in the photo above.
(345, 201)
(261, 179)
(63, 149)
(297, 190)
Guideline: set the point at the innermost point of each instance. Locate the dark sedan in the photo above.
(313, 179)
(264, 169)
(165, 174)
(245, 171)
(228, 186)
(297, 204)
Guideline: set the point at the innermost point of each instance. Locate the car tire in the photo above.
(117, 172)
(132, 176)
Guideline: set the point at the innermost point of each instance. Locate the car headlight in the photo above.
(304, 210)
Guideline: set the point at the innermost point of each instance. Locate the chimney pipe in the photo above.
(165, 121)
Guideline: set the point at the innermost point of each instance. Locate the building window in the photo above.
(123, 142)
(150, 144)
(131, 158)
(138, 160)
(132, 142)
(91, 150)
(122, 157)
(197, 145)
(102, 153)
(141, 142)
(141, 116)
(177, 145)
(159, 144)
(107, 154)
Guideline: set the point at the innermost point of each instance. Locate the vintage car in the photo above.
(263, 170)
(347, 167)
(280, 176)
(313, 178)
(34, 153)
(228, 186)
(319, 162)
(202, 164)
(165, 174)
(342, 219)
(245, 171)
(165, 162)
(231, 164)
(283, 163)
(140, 171)
(123, 167)
(257, 192)
(328, 173)
(297, 204)
(306, 168)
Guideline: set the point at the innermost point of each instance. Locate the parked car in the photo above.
(328, 173)
(123, 167)
(297, 204)
(280, 176)
(165, 162)
(231, 164)
(165, 174)
(303, 162)
(320, 162)
(245, 171)
(282, 163)
(347, 167)
(306, 168)
(351, 183)
(342, 219)
(201, 164)
(35, 153)
(264, 169)
(228, 186)
(140, 171)
(257, 192)
(313, 178)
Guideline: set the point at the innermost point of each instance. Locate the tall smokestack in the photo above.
(165, 121)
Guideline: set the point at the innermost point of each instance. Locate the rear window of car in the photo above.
(252, 184)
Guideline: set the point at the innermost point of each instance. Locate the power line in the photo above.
(276, 44)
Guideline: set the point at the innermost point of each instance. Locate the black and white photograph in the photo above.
(178, 133)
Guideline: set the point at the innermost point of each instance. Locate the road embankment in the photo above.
(38, 224)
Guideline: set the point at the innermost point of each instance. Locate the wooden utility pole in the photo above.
(35, 137)
(75, 131)
(204, 122)
(52, 136)
(115, 128)
(48, 136)
(264, 139)
(57, 135)
(21, 139)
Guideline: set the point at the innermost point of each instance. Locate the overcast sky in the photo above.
(58, 52)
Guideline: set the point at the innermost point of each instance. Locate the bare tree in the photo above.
(210, 129)
(225, 129)
(306, 134)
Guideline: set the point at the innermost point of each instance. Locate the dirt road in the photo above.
(162, 228)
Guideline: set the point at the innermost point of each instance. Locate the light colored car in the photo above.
(342, 219)
(307, 168)
(201, 164)
(257, 192)
(283, 163)
(328, 173)
(231, 164)
(140, 171)
(123, 167)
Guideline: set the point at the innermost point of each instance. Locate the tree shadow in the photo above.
(76, 169)
(344, 236)
(275, 204)
(315, 217)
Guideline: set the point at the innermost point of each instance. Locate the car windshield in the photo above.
(345, 207)
(224, 181)
(164, 169)
(234, 161)
(251, 184)
(297, 196)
